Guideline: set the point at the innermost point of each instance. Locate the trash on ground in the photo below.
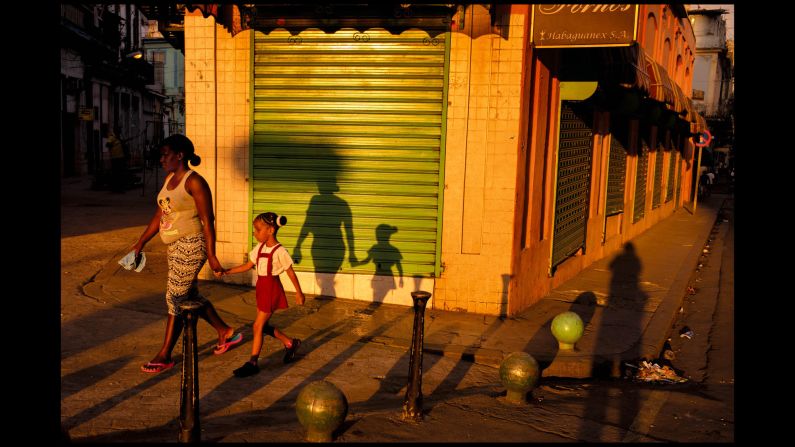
(652, 372)
(686, 332)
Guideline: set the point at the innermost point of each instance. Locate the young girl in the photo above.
(270, 259)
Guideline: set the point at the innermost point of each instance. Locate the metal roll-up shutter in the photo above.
(573, 180)
(348, 132)
(658, 175)
(616, 172)
(669, 193)
(639, 207)
(678, 178)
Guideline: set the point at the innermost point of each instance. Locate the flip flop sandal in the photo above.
(156, 367)
(235, 339)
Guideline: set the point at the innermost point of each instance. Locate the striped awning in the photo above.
(330, 17)
(661, 85)
(226, 15)
(680, 101)
(625, 66)
(631, 67)
(691, 112)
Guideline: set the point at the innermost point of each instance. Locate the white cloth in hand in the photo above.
(128, 261)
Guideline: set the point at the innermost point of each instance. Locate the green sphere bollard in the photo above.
(321, 409)
(519, 373)
(567, 328)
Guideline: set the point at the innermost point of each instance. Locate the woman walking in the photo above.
(185, 221)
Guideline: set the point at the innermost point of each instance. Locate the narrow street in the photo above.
(103, 344)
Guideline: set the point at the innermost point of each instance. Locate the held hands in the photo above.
(222, 272)
(215, 265)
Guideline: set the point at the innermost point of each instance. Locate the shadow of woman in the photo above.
(326, 217)
(625, 306)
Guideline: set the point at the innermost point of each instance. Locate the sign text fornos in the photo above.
(578, 25)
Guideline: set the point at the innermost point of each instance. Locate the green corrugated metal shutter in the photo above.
(348, 132)
(658, 175)
(573, 180)
(639, 207)
(616, 171)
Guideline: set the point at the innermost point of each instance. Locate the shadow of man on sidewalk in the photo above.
(625, 299)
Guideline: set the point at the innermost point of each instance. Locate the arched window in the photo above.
(665, 61)
(679, 42)
(686, 84)
(650, 34)
(678, 71)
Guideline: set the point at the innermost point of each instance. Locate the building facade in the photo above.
(713, 79)
(103, 84)
(168, 83)
(456, 149)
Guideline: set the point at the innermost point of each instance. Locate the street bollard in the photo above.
(189, 428)
(519, 373)
(567, 328)
(412, 405)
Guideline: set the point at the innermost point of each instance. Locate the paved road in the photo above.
(105, 398)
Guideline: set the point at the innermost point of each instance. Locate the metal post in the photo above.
(412, 405)
(189, 428)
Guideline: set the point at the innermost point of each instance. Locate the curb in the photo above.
(665, 316)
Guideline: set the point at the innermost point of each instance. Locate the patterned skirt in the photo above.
(186, 256)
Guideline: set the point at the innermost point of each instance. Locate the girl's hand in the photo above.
(300, 298)
(220, 273)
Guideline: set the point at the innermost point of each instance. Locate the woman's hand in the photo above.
(215, 264)
(137, 248)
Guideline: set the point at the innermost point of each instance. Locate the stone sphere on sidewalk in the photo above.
(321, 408)
(567, 328)
(519, 374)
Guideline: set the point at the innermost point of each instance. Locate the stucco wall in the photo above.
(217, 85)
(483, 123)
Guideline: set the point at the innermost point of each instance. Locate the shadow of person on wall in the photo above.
(384, 255)
(326, 217)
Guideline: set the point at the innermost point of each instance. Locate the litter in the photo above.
(652, 372)
(686, 332)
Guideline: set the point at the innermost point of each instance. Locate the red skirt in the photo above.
(270, 294)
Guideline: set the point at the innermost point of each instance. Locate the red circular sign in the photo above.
(703, 139)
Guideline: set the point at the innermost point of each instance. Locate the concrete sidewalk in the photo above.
(643, 291)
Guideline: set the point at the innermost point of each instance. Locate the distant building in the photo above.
(103, 84)
(713, 76)
(169, 84)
